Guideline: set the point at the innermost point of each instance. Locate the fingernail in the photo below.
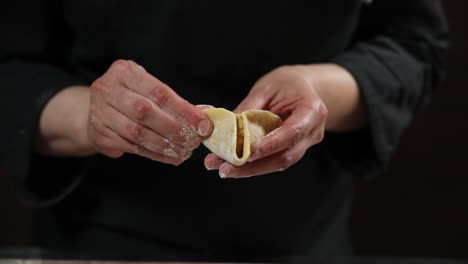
(209, 167)
(208, 164)
(224, 171)
(203, 127)
(204, 106)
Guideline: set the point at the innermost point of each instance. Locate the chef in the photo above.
(102, 124)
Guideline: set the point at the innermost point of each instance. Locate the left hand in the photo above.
(289, 92)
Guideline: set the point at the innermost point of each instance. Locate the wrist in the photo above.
(82, 145)
(62, 127)
(340, 93)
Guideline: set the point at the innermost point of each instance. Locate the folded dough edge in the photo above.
(223, 141)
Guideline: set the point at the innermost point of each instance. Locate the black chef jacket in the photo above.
(209, 52)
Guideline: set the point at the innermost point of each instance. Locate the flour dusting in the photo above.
(170, 152)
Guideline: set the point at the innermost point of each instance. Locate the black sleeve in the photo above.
(33, 68)
(396, 62)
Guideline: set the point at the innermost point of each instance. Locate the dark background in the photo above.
(419, 207)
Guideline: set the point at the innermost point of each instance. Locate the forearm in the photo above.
(340, 93)
(61, 130)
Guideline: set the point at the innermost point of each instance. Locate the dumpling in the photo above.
(233, 134)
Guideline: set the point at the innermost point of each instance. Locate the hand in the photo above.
(132, 111)
(126, 110)
(288, 92)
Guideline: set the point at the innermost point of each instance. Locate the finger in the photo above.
(112, 145)
(143, 111)
(317, 135)
(293, 130)
(254, 100)
(137, 79)
(105, 145)
(104, 139)
(274, 163)
(213, 162)
(140, 135)
(162, 157)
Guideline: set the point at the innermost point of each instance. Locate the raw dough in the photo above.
(233, 134)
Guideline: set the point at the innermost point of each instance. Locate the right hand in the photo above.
(132, 111)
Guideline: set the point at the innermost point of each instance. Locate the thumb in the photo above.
(254, 100)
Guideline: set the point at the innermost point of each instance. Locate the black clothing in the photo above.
(209, 52)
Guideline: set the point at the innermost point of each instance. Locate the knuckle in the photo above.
(186, 137)
(121, 70)
(99, 86)
(141, 109)
(131, 63)
(136, 73)
(159, 95)
(119, 66)
(135, 67)
(322, 111)
(319, 136)
(189, 115)
(134, 131)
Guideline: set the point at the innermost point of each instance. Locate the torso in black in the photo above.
(212, 52)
